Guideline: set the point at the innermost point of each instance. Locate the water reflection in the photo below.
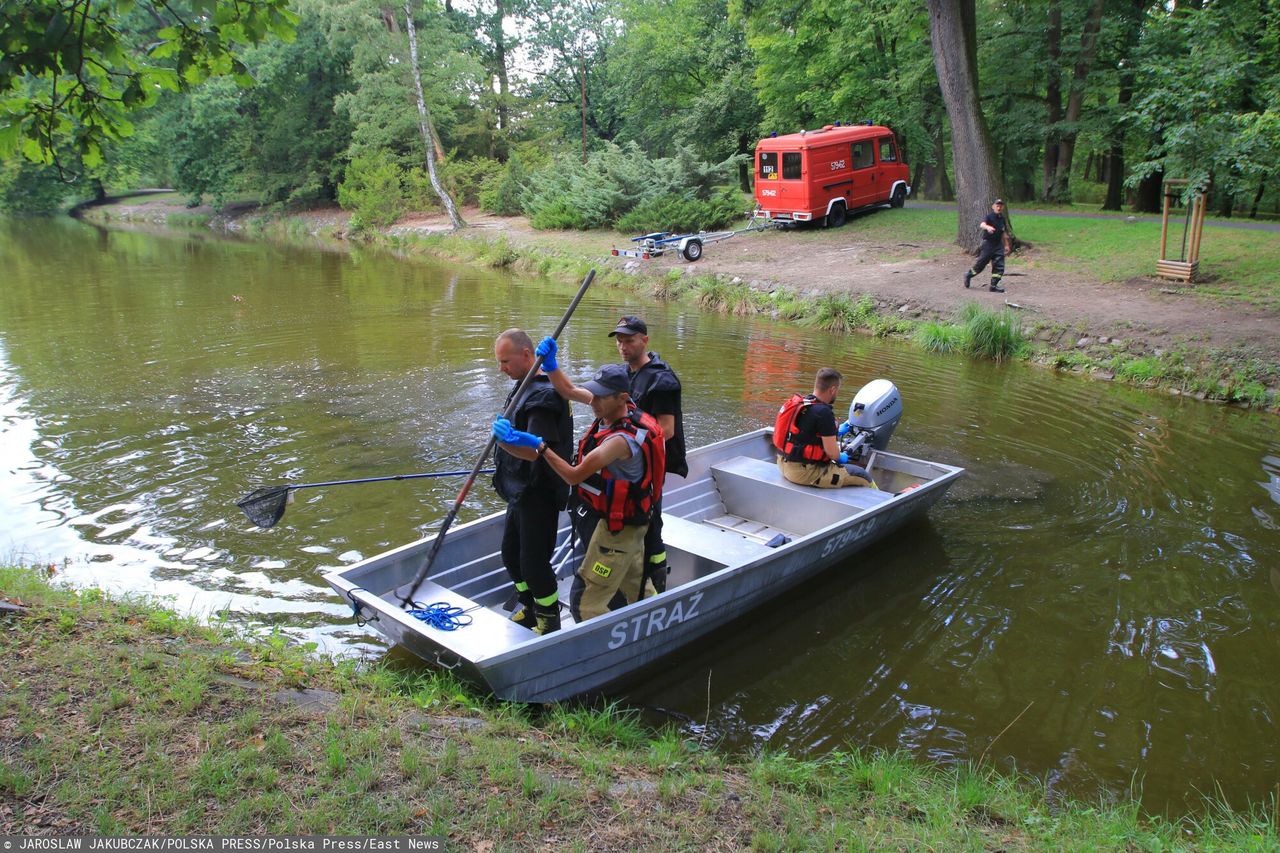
(1095, 603)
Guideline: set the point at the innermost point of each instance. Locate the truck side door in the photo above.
(862, 158)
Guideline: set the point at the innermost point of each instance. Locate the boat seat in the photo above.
(716, 544)
(753, 488)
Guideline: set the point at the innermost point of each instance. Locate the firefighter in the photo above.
(618, 472)
(993, 231)
(534, 495)
(655, 389)
(806, 437)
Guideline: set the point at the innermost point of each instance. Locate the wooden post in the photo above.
(1199, 232)
(1164, 224)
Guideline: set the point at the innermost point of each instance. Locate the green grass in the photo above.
(120, 718)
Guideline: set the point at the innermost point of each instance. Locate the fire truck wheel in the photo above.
(692, 250)
(899, 197)
(837, 215)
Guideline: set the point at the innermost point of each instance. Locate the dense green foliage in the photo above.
(73, 71)
(1087, 100)
(620, 185)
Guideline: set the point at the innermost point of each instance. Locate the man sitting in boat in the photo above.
(806, 437)
(619, 469)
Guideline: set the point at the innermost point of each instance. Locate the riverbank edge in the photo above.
(1236, 376)
(121, 717)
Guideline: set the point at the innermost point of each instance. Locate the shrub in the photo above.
(464, 179)
(504, 187)
(559, 213)
(683, 212)
(373, 191)
(613, 182)
(27, 187)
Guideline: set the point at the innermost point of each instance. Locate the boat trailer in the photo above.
(689, 246)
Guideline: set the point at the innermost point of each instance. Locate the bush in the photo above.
(613, 182)
(373, 191)
(27, 187)
(683, 212)
(464, 179)
(504, 187)
(559, 214)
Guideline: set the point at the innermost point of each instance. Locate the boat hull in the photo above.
(719, 573)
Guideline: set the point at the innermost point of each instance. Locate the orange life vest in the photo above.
(791, 443)
(621, 502)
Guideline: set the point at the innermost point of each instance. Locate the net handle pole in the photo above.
(382, 479)
(488, 448)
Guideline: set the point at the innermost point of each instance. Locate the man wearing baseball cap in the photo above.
(621, 463)
(993, 228)
(655, 389)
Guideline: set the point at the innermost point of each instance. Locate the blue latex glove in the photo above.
(843, 429)
(844, 458)
(507, 434)
(547, 349)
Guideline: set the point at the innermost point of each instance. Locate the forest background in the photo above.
(592, 113)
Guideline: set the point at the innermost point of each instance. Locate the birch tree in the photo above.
(424, 122)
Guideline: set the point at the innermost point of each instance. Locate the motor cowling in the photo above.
(874, 414)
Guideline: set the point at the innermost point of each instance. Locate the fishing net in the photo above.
(265, 506)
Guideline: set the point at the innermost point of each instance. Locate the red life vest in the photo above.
(791, 443)
(621, 502)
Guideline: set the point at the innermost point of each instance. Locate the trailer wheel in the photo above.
(899, 198)
(692, 250)
(837, 215)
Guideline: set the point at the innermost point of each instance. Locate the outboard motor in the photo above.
(873, 415)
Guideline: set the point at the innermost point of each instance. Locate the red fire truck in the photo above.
(823, 174)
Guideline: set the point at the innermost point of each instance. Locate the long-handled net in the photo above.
(265, 506)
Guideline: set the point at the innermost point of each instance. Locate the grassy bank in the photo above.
(117, 716)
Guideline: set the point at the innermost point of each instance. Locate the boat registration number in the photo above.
(657, 619)
(835, 543)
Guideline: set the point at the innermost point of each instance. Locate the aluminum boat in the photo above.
(737, 535)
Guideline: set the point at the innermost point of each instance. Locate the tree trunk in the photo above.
(745, 167)
(1053, 98)
(1119, 127)
(1257, 199)
(1075, 101)
(953, 27)
(504, 83)
(1149, 197)
(424, 122)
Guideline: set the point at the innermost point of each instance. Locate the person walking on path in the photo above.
(805, 435)
(618, 473)
(655, 389)
(993, 230)
(534, 494)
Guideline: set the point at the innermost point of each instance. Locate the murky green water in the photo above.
(1097, 603)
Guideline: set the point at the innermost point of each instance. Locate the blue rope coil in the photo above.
(442, 615)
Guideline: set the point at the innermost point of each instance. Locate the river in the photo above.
(1097, 603)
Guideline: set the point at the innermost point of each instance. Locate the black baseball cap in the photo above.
(998, 201)
(630, 325)
(609, 380)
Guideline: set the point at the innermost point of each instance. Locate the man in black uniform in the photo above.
(655, 389)
(993, 228)
(805, 435)
(533, 492)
